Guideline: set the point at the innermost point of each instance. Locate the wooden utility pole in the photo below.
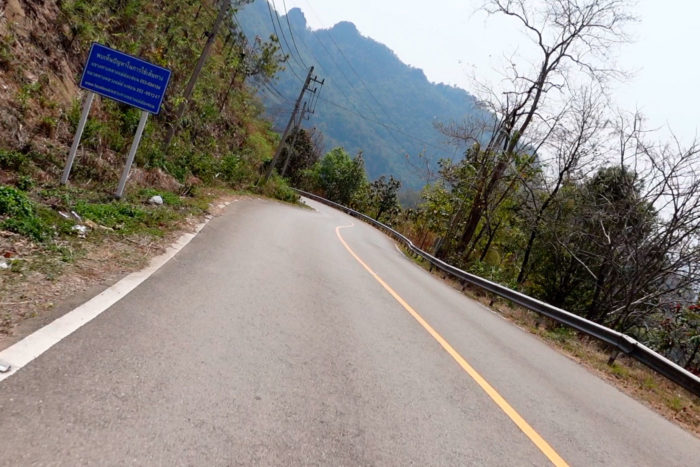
(195, 74)
(290, 149)
(292, 117)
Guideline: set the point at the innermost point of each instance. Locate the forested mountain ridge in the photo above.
(370, 102)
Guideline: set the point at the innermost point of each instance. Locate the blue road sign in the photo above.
(124, 78)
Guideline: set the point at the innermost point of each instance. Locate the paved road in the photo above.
(264, 342)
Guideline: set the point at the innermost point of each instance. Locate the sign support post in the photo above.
(123, 78)
(78, 135)
(132, 153)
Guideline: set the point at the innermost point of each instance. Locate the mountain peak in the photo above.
(296, 17)
(345, 27)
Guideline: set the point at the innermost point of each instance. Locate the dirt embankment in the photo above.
(35, 57)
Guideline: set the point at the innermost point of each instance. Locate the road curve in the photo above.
(275, 338)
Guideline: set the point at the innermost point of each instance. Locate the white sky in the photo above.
(451, 42)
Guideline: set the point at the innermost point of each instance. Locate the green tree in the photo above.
(304, 154)
(339, 177)
(383, 196)
(567, 36)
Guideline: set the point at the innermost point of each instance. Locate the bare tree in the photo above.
(570, 36)
(573, 141)
(634, 233)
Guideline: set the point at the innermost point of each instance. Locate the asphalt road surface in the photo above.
(267, 342)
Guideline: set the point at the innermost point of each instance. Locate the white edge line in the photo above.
(23, 352)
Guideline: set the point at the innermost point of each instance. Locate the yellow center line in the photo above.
(525, 427)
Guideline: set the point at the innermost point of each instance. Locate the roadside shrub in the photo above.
(236, 170)
(276, 187)
(21, 215)
(116, 215)
(25, 183)
(169, 198)
(14, 203)
(14, 160)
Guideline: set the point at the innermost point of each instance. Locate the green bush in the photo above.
(25, 183)
(14, 203)
(277, 187)
(14, 160)
(22, 216)
(117, 215)
(236, 170)
(28, 226)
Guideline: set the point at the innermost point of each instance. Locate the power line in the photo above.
(274, 28)
(264, 81)
(330, 55)
(362, 81)
(317, 97)
(273, 92)
(291, 34)
(379, 122)
(274, 17)
(334, 63)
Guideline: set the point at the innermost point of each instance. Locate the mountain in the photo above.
(370, 101)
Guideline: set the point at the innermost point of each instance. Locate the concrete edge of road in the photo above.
(32, 346)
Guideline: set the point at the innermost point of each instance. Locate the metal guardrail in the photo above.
(617, 340)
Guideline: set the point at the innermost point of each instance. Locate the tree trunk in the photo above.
(526, 257)
(473, 245)
(492, 235)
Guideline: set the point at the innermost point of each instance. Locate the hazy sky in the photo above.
(453, 42)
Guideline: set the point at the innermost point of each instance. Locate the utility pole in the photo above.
(290, 149)
(195, 74)
(292, 117)
(307, 109)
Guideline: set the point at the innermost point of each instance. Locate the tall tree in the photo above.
(573, 142)
(304, 155)
(569, 35)
(339, 176)
(384, 196)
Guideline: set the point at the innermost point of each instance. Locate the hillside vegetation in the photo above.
(221, 142)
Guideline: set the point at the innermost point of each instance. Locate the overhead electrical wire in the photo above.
(271, 88)
(314, 100)
(318, 62)
(328, 52)
(291, 33)
(359, 77)
(274, 28)
(275, 16)
(383, 124)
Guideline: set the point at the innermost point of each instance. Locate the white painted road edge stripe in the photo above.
(20, 354)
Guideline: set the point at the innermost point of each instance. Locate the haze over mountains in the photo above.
(370, 102)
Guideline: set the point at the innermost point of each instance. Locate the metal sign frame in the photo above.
(123, 78)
